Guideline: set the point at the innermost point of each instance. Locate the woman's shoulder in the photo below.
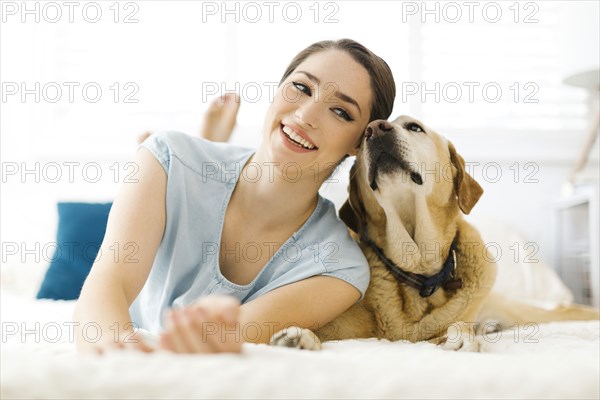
(329, 243)
(198, 154)
(326, 215)
(327, 231)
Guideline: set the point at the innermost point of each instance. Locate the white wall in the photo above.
(170, 53)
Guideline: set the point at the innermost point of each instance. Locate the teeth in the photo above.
(297, 138)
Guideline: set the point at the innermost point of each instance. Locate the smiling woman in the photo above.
(236, 240)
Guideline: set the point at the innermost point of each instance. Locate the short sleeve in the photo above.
(339, 255)
(209, 159)
(159, 145)
(344, 260)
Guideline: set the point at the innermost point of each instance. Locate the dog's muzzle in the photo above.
(386, 153)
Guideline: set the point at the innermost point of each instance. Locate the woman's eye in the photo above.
(302, 87)
(411, 126)
(342, 113)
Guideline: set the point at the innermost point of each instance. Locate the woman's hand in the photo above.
(211, 325)
(127, 341)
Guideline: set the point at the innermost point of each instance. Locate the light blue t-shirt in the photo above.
(201, 176)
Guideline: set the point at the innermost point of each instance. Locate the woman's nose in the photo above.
(308, 113)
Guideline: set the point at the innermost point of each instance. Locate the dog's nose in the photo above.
(377, 128)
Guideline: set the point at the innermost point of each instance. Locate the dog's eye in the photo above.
(411, 126)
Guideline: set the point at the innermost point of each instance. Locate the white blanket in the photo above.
(559, 360)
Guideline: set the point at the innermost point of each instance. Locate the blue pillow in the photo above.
(81, 228)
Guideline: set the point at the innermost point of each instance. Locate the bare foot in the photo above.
(143, 136)
(220, 117)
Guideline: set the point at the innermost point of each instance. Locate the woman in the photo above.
(215, 225)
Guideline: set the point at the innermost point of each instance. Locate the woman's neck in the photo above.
(272, 195)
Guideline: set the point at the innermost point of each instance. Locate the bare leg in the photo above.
(220, 117)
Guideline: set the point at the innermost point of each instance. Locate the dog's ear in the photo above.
(467, 189)
(349, 217)
(350, 212)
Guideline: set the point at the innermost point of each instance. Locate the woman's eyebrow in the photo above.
(339, 95)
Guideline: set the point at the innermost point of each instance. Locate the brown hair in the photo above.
(382, 80)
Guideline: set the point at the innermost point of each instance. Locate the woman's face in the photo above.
(319, 112)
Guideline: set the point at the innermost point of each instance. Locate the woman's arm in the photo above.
(310, 303)
(217, 323)
(135, 228)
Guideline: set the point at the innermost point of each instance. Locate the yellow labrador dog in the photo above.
(430, 275)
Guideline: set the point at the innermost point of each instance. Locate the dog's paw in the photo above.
(460, 337)
(488, 326)
(296, 337)
(463, 344)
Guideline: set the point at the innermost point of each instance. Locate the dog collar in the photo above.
(426, 285)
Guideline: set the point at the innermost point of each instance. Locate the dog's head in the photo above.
(403, 161)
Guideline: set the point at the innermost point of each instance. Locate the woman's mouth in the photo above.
(295, 139)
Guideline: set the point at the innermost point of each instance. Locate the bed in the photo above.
(554, 360)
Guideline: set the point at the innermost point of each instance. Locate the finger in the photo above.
(207, 329)
(223, 310)
(174, 335)
(223, 314)
(231, 314)
(225, 342)
(217, 304)
(203, 327)
(138, 343)
(165, 342)
(219, 335)
(187, 332)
